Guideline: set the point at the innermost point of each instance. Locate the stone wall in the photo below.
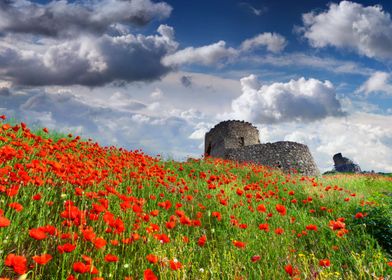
(230, 134)
(283, 154)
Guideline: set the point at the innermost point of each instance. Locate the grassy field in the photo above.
(71, 209)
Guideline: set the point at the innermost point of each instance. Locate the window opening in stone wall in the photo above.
(242, 141)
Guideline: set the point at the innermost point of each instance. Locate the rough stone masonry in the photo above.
(239, 141)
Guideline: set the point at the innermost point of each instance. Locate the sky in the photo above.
(157, 75)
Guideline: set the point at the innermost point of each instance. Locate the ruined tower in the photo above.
(239, 141)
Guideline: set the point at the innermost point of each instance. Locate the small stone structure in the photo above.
(239, 140)
(343, 164)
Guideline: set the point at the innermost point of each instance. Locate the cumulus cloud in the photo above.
(87, 60)
(377, 82)
(296, 100)
(219, 54)
(59, 18)
(206, 55)
(272, 41)
(366, 30)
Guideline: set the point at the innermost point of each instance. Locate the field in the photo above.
(71, 209)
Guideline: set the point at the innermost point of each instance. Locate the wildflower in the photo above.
(175, 264)
(149, 275)
(290, 270)
(264, 227)
(99, 243)
(37, 234)
(261, 208)
(281, 209)
(255, 258)
(279, 231)
(152, 258)
(202, 241)
(238, 244)
(43, 259)
(111, 258)
(18, 263)
(359, 215)
(80, 267)
(66, 248)
(324, 263)
(311, 227)
(14, 205)
(4, 222)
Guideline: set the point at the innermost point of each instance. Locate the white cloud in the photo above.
(206, 55)
(366, 30)
(377, 82)
(296, 100)
(219, 54)
(310, 61)
(274, 42)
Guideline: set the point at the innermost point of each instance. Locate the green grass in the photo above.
(114, 194)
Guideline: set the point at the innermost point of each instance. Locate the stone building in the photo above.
(343, 164)
(239, 141)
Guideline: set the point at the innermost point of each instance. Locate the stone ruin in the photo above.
(343, 164)
(239, 141)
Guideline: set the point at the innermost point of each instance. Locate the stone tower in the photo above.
(230, 135)
(239, 141)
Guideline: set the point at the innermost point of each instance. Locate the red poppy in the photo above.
(311, 227)
(359, 215)
(264, 227)
(18, 263)
(324, 263)
(99, 243)
(261, 208)
(152, 258)
(43, 259)
(175, 265)
(149, 275)
(290, 270)
(66, 248)
(4, 222)
(239, 244)
(202, 241)
(37, 234)
(17, 206)
(111, 258)
(279, 231)
(255, 258)
(281, 209)
(80, 267)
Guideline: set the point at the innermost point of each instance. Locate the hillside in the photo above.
(71, 209)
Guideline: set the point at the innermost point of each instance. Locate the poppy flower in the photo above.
(202, 241)
(175, 265)
(239, 244)
(80, 267)
(111, 258)
(37, 234)
(281, 209)
(311, 227)
(66, 248)
(152, 258)
(4, 222)
(290, 270)
(255, 258)
(99, 243)
(279, 231)
(264, 227)
(18, 263)
(43, 259)
(261, 208)
(325, 263)
(359, 215)
(149, 275)
(16, 206)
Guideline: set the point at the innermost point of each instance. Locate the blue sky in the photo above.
(157, 75)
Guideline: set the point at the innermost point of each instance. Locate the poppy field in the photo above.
(71, 209)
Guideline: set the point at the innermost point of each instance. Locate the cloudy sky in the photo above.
(158, 75)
